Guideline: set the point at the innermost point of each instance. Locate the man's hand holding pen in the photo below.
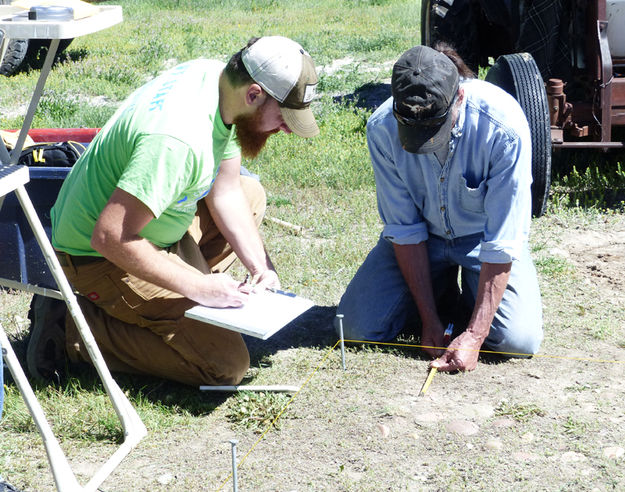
(265, 280)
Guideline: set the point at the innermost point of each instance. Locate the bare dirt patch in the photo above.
(553, 422)
(600, 255)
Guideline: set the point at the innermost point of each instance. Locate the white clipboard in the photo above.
(264, 314)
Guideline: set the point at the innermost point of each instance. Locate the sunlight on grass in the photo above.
(255, 411)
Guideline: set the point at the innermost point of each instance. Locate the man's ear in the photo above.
(255, 95)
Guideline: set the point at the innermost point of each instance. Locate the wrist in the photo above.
(478, 333)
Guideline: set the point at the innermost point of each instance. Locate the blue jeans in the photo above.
(377, 304)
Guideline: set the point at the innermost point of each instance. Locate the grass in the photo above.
(326, 186)
(256, 411)
(519, 412)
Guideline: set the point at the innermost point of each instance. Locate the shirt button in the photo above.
(442, 209)
(442, 178)
(448, 232)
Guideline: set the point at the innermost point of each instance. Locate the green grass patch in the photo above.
(554, 266)
(255, 411)
(80, 409)
(519, 412)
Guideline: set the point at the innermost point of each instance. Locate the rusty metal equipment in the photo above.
(576, 49)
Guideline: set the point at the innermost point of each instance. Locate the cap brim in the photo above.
(300, 121)
(425, 139)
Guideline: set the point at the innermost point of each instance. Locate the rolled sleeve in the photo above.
(500, 251)
(401, 234)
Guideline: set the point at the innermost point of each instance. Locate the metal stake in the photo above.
(233, 443)
(340, 317)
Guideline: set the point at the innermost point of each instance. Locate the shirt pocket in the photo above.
(471, 199)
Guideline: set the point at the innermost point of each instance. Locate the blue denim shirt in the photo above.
(483, 187)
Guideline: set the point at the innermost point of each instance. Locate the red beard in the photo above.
(249, 138)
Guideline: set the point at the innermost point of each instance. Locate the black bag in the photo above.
(59, 154)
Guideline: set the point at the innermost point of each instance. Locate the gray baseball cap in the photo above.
(286, 72)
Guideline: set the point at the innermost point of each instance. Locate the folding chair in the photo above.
(12, 179)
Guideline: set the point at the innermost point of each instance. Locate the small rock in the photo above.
(353, 475)
(165, 479)
(462, 427)
(383, 430)
(527, 437)
(572, 457)
(428, 419)
(502, 423)
(494, 444)
(613, 452)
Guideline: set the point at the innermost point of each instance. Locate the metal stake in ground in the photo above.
(233, 443)
(340, 317)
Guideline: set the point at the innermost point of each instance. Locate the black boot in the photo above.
(45, 355)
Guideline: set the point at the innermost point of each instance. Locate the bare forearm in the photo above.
(415, 267)
(116, 237)
(141, 258)
(231, 213)
(492, 285)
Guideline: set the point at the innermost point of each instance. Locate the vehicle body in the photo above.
(578, 51)
(15, 53)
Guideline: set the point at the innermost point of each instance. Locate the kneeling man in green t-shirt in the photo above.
(156, 210)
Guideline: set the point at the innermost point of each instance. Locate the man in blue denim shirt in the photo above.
(452, 163)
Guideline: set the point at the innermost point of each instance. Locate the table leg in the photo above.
(30, 113)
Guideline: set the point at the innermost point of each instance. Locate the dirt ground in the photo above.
(553, 422)
(600, 257)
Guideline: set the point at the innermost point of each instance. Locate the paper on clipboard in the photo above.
(263, 314)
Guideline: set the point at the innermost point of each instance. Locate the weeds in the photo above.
(553, 266)
(519, 412)
(575, 428)
(593, 186)
(255, 411)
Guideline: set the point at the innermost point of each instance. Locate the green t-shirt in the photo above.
(163, 146)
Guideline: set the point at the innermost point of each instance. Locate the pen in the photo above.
(446, 339)
(247, 279)
(283, 292)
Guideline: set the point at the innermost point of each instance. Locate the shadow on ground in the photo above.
(312, 329)
(368, 96)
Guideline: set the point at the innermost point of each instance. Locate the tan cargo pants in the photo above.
(141, 328)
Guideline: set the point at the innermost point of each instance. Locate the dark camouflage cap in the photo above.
(423, 85)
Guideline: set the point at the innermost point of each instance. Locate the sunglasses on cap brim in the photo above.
(433, 121)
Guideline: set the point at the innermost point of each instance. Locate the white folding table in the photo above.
(15, 25)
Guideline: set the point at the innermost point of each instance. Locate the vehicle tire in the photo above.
(38, 49)
(14, 56)
(454, 22)
(518, 75)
